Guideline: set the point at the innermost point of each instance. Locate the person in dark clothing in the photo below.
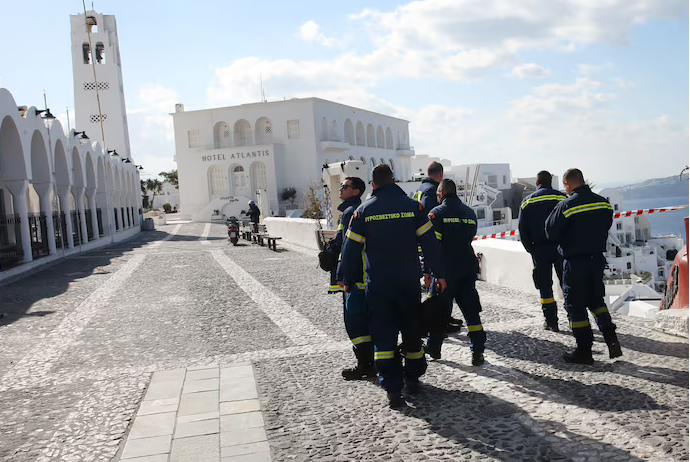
(534, 211)
(387, 229)
(426, 195)
(580, 226)
(254, 213)
(455, 225)
(354, 306)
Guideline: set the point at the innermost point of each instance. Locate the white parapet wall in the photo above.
(300, 231)
(506, 263)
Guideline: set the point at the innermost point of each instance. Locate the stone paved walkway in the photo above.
(123, 350)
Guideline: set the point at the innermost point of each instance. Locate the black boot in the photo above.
(365, 366)
(411, 385)
(611, 340)
(579, 356)
(395, 400)
(477, 358)
(453, 328)
(552, 326)
(456, 321)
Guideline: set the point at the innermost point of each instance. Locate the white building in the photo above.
(419, 164)
(63, 193)
(228, 156)
(169, 195)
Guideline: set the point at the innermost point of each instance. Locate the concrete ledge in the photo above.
(674, 322)
(300, 231)
(507, 263)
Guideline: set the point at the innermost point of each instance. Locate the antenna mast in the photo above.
(263, 95)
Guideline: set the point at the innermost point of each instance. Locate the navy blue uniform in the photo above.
(580, 226)
(455, 225)
(426, 194)
(388, 228)
(354, 306)
(534, 211)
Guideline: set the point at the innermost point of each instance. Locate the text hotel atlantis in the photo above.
(229, 156)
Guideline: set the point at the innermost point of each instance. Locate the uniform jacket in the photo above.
(580, 224)
(347, 207)
(455, 225)
(389, 227)
(534, 211)
(426, 194)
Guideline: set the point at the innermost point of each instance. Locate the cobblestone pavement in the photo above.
(80, 341)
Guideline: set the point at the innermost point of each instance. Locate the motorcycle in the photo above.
(233, 230)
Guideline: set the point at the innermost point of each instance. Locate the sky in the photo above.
(601, 85)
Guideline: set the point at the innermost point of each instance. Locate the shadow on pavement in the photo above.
(500, 429)
(17, 298)
(656, 347)
(527, 348)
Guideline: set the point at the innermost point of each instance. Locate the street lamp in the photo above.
(47, 114)
(113, 153)
(82, 135)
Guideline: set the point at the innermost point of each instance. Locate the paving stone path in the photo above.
(175, 346)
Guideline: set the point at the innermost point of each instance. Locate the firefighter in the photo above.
(534, 211)
(580, 226)
(388, 228)
(354, 307)
(426, 195)
(455, 225)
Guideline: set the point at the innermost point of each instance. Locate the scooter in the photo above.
(233, 230)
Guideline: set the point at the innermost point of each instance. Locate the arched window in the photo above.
(216, 181)
(264, 131)
(361, 139)
(349, 132)
(86, 50)
(259, 176)
(221, 135)
(100, 53)
(240, 187)
(243, 133)
(380, 142)
(371, 140)
(389, 139)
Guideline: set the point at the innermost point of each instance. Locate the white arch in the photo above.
(349, 132)
(371, 139)
(264, 131)
(361, 138)
(221, 135)
(380, 142)
(243, 133)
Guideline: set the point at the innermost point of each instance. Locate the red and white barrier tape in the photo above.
(616, 215)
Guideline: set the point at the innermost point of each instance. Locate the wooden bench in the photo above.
(261, 235)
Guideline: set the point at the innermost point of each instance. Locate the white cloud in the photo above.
(593, 69)
(528, 70)
(151, 128)
(309, 31)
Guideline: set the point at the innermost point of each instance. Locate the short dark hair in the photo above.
(357, 183)
(574, 175)
(434, 168)
(544, 178)
(448, 187)
(381, 175)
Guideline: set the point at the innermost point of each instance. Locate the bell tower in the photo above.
(95, 46)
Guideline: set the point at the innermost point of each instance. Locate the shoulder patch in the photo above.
(355, 214)
(432, 215)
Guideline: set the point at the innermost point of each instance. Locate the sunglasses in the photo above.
(344, 186)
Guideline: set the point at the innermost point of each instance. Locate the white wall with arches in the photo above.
(58, 193)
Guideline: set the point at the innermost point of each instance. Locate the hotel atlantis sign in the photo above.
(236, 155)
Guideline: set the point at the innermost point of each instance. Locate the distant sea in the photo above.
(665, 222)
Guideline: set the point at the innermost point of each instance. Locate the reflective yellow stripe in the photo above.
(576, 324)
(601, 310)
(340, 227)
(547, 300)
(355, 237)
(361, 285)
(362, 339)
(439, 236)
(384, 355)
(587, 208)
(415, 355)
(417, 196)
(548, 197)
(475, 328)
(335, 288)
(419, 249)
(424, 228)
